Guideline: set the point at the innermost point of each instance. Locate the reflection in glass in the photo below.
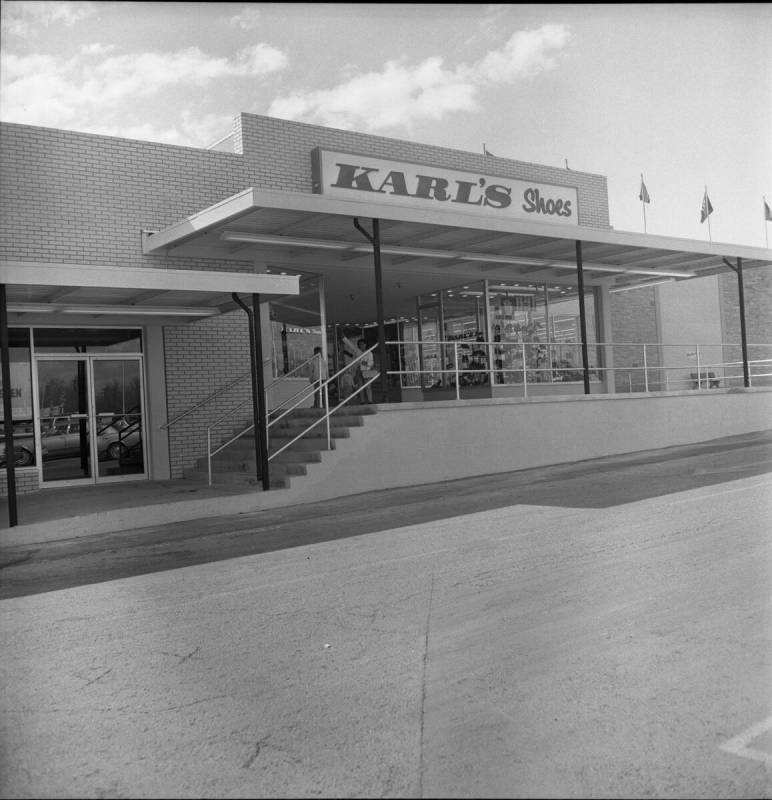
(64, 419)
(118, 408)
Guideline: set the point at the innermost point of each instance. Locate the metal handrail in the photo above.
(303, 394)
(209, 398)
(212, 453)
(328, 412)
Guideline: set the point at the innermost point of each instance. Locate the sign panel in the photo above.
(396, 183)
(21, 390)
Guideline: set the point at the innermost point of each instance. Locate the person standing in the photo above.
(366, 370)
(318, 376)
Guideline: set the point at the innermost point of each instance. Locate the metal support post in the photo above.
(582, 316)
(258, 389)
(743, 335)
(10, 454)
(375, 241)
(261, 410)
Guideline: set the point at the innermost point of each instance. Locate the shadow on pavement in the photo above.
(599, 483)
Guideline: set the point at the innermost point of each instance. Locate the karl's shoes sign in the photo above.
(354, 177)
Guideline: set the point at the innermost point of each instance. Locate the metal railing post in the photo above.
(327, 413)
(525, 373)
(209, 454)
(699, 380)
(645, 370)
(455, 366)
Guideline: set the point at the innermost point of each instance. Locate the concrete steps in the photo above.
(236, 465)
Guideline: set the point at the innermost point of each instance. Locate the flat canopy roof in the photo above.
(426, 250)
(69, 294)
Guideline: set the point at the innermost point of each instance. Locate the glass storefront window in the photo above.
(536, 328)
(566, 338)
(431, 353)
(517, 319)
(291, 346)
(21, 399)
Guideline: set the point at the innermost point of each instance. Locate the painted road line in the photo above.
(738, 745)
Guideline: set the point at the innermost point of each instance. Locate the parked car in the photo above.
(60, 436)
(120, 439)
(23, 444)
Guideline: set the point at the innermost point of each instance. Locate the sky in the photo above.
(678, 93)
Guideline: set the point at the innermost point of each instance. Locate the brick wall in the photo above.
(757, 288)
(84, 199)
(633, 320)
(197, 365)
(290, 145)
(26, 481)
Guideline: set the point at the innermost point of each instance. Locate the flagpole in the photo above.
(643, 203)
(710, 238)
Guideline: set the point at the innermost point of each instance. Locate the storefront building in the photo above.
(138, 278)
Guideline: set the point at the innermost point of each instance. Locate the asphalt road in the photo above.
(597, 630)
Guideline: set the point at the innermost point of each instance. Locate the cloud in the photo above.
(525, 54)
(247, 20)
(21, 18)
(400, 94)
(88, 93)
(190, 128)
(96, 49)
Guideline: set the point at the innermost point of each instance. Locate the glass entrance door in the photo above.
(64, 409)
(119, 419)
(78, 396)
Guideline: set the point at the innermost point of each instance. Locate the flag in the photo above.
(767, 212)
(643, 195)
(487, 152)
(707, 208)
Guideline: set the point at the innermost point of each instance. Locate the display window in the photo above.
(500, 333)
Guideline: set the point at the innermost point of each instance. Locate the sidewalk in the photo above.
(71, 512)
(79, 511)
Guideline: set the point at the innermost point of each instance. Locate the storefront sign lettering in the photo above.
(347, 176)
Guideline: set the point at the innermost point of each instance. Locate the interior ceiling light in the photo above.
(615, 289)
(173, 311)
(283, 241)
(622, 269)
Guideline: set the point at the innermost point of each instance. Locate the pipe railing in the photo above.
(228, 414)
(289, 405)
(210, 397)
(643, 366)
(328, 412)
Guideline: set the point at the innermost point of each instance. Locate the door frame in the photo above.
(95, 478)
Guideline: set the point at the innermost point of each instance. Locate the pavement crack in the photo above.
(423, 689)
(100, 676)
(194, 702)
(255, 752)
(189, 655)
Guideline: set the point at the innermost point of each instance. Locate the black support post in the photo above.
(258, 398)
(262, 412)
(10, 455)
(375, 241)
(582, 317)
(743, 335)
